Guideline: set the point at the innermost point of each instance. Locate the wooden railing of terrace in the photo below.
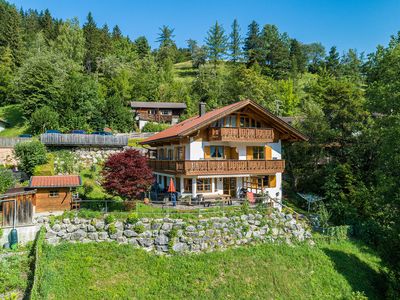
(234, 134)
(6, 142)
(83, 140)
(217, 167)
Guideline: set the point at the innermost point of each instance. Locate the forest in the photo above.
(65, 75)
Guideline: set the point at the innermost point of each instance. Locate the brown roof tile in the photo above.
(55, 181)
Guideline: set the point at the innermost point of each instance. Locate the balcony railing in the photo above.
(217, 167)
(232, 134)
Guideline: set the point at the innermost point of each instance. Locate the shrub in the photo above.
(154, 127)
(139, 228)
(324, 216)
(132, 218)
(7, 180)
(30, 155)
(112, 229)
(109, 219)
(339, 232)
(127, 174)
(1, 232)
(42, 119)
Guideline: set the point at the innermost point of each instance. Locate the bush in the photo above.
(7, 180)
(132, 218)
(112, 229)
(139, 229)
(30, 155)
(109, 219)
(42, 119)
(339, 233)
(154, 127)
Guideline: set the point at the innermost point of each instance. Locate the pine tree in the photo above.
(298, 58)
(10, 30)
(142, 47)
(275, 52)
(6, 67)
(252, 44)
(332, 62)
(165, 37)
(46, 25)
(235, 42)
(92, 43)
(217, 43)
(116, 33)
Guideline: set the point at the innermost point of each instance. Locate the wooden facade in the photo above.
(83, 140)
(217, 167)
(25, 200)
(53, 199)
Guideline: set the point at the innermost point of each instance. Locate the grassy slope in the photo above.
(111, 271)
(13, 115)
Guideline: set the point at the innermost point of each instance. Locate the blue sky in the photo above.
(346, 24)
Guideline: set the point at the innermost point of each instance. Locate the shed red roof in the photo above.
(192, 124)
(55, 181)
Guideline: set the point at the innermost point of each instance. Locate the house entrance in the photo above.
(229, 186)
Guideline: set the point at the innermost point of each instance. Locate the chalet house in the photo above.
(160, 112)
(224, 150)
(54, 193)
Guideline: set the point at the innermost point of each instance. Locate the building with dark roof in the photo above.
(159, 112)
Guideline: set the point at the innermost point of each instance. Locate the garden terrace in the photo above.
(83, 140)
(235, 134)
(219, 167)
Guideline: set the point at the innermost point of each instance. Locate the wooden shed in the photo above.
(54, 193)
(24, 198)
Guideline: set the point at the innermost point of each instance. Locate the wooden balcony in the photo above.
(235, 134)
(217, 167)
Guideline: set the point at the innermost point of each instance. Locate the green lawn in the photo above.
(13, 115)
(112, 271)
(14, 271)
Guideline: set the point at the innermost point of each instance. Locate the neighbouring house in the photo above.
(159, 112)
(54, 193)
(3, 124)
(224, 150)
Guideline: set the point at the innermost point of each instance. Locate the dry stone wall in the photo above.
(178, 236)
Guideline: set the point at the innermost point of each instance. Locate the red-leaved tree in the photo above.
(127, 174)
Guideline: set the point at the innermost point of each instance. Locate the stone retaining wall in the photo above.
(175, 235)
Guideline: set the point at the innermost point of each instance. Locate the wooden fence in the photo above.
(11, 142)
(83, 140)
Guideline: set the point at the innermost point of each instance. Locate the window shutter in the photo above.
(249, 152)
(206, 152)
(268, 152)
(227, 152)
(234, 154)
(272, 181)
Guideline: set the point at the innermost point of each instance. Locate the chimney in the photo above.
(202, 109)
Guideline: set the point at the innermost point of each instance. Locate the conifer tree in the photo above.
(235, 42)
(142, 47)
(252, 44)
(6, 68)
(92, 43)
(217, 43)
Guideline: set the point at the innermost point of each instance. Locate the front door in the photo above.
(229, 185)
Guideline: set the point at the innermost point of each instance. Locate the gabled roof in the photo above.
(55, 181)
(193, 124)
(142, 104)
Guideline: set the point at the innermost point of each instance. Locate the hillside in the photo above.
(16, 123)
(105, 271)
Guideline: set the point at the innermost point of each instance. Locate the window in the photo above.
(161, 153)
(230, 121)
(219, 123)
(217, 151)
(187, 185)
(170, 154)
(53, 194)
(166, 112)
(204, 185)
(258, 153)
(152, 111)
(179, 155)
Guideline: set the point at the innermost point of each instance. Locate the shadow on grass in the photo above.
(358, 274)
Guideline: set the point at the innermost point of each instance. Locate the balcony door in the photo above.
(229, 186)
